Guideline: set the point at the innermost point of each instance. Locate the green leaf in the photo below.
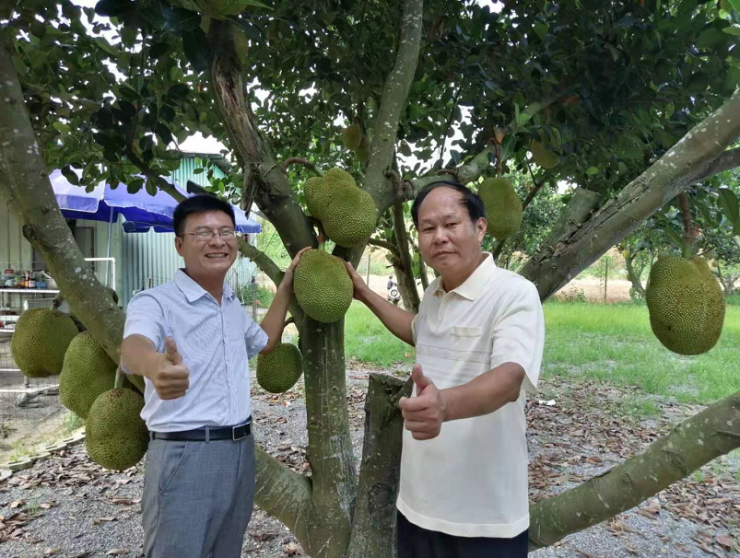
(732, 31)
(164, 133)
(134, 185)
(592, 170)
(167, 18)
(61, 127)
(70, 175)
(674, 236)
(729, 202)
(197, 49)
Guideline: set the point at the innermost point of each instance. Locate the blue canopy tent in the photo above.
(141, 211)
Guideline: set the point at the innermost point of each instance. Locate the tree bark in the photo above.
(693, 158)
(692, 444)
(334, 477)
(374, 522)
(403, 265)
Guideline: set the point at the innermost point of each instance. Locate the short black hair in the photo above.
(470, 199)
(199, 204)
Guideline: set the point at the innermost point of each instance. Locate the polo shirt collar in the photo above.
(193, 291)
(476, 284)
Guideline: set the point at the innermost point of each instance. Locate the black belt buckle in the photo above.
(244, 435)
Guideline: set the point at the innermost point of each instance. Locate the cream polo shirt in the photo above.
(471, 480)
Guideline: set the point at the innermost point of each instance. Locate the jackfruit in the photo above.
(40, 340)
(241, 46)
(363, 150)
(280, 369)
(322, 286)
(685, 303)
(222, 8)
(542, 156)
(347, 213)
(351, 137)
(503, 208)
(88, 371)
(115, 436)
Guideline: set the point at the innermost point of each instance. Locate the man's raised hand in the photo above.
(169, 375)
(425, 413)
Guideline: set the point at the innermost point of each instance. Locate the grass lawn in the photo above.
(612, 343)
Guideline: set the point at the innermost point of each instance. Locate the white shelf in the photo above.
(47, 291)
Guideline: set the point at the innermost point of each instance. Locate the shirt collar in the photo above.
(476, 283)
(193, 291)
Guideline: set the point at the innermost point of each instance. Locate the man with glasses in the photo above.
(191, 340)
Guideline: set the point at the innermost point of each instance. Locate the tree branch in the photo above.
(534, 191)
(304, 162)
(446, 130)
(283, 494)
(692, 159)
(692, 444)
(397, 87)
(404, 251)
(384, 244)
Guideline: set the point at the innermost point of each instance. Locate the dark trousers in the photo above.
(414, 542)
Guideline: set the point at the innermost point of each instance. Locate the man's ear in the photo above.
(178, 244)
(481, 227)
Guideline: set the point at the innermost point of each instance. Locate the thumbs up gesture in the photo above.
(169, 375)
(425, 413)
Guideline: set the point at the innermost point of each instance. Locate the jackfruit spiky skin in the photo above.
(280, 369)
(88, 371)
(40, 340)
(322, 286)
(503, 208)
(115, 436)
(222, 8)
(686, 304)
(352, 136)
(347, 213)
(544, 158)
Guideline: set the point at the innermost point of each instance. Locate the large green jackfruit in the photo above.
(542, 156)
(222, 8)
(40, 340)
(280, 369)
(88, 371)
(322, 286)
(115, 436)
(503, 208)
(351, 136)
(347, 213)
(686, 304)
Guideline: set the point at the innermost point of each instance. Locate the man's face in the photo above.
(448, 240)
(203, 256)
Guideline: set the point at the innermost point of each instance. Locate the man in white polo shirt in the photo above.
(191, 340)
(479, 337)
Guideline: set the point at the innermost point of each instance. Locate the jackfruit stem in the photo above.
(119, 378)
(58, 301)
(687, 250)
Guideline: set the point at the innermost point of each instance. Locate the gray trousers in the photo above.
(197, 498)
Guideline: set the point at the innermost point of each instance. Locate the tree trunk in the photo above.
(374, 526)
(404, 268)
(407, 287)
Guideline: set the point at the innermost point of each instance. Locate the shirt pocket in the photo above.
(467, 331)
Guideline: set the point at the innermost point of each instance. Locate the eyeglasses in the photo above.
(206, 235)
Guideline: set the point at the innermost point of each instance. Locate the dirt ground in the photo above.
(68, 506)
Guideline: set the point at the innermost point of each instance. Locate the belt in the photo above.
(206, 434)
